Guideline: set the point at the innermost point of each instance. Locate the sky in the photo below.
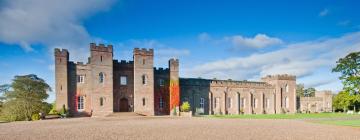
(224, 39)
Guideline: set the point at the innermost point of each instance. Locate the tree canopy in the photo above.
(349, 67)
(24, 97)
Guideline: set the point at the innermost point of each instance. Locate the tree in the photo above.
(25, 98)
(300, 90)
(349, 67)
(310, 92)
(343, 101)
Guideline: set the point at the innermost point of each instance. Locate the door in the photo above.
(124, 105)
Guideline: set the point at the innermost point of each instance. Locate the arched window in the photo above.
(101, 101)
(287, 88)
(287, 102)
(144, 79)
(101, 77)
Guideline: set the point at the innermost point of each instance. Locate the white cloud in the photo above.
(303, 59)
(162, 52)
(259, 41)
(324, 12)
(48, 22)
(344, 23)
(204, 37)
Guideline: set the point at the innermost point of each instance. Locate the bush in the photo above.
(35, 117)
(185, 107)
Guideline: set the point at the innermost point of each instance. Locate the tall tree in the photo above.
(25, 98)
(310, 92)
(349, 67)
(300, 90)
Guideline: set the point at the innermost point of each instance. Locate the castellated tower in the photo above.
(174, 85)
(61, 78)
(101, 64)
(144, 81)
(285, 92)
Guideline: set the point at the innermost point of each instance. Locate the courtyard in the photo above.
(165, 127)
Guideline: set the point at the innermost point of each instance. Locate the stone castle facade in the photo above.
(104, 85)
(322, 102)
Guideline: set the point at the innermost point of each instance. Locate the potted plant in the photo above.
(185, 109)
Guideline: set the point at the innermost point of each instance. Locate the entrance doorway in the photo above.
(124, 105)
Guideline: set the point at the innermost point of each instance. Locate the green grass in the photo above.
(354, 123)
(287, 116)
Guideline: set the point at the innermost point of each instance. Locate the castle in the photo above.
(104, 85)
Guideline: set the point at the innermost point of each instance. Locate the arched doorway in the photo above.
(124, 105)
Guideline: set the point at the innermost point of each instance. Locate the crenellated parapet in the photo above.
(231, 83)
(101, 47)
(279, 77)
(61, 52)
(143, 51)
(161, 70)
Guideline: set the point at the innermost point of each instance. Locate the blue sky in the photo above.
(213, 39)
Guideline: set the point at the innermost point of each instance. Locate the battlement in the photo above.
(279, 77)
(101, 48)
(61, 52)
(123, 62)
(174, 60)
(231, 83)
(143, 51)
(161, 70)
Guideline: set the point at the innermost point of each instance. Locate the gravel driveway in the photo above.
(136, 127)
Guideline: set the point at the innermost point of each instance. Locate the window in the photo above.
(161, 82)
(217, 102)
(287, 102)
(255, 103)
(229, 103)
(123, 80)
(101, 101)
(267, 103)
(242, 102)
(161, 103)
(80, 78)
(143, 100)
(144, 79)
(101, 77)
(80, 103)
(202, 103)
(287, 88)
(143, 61)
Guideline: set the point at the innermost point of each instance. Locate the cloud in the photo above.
(344, 23)
(324, 12)
(259, 41)
(162, 52)
(302, 59)
(50, 23)
(204, 37)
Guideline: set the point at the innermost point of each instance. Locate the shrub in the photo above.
(35, 117)
(185, 107)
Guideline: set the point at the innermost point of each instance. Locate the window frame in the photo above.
(101, 78)
(80, 79)
(121, 80)
(80, 103)
(161, 103)
(202, 103)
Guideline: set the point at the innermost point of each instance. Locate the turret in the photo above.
(61, 78)
(144, 81)
(285, 92)
(174, 84)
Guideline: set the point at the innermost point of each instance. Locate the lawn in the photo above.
(354, 123)
(289, 116)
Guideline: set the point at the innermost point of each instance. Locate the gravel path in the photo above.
(131, 127)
